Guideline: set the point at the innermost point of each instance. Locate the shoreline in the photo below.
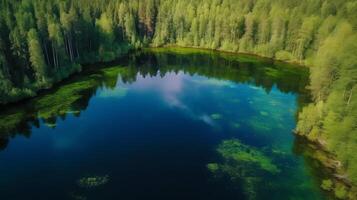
(85, 66)
(335, 171)
(232, 53)
(329, 160)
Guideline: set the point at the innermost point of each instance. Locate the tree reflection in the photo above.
(72, 96)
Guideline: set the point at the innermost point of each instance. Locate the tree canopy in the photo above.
(42, 42)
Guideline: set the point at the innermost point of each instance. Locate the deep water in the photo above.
(162, 124)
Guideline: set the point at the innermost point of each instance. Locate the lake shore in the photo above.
(326, 158)
(339, 185)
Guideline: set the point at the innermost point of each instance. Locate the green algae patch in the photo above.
(238, 152)
(93, 181)
(263, 113)
(327, 184)
(244, 165)
(341, 191)
(213, 167)
(61, 101)
(216, 116)
(259, 125)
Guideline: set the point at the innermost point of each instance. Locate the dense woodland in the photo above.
(43, 42)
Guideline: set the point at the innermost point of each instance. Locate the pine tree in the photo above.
(36, 56)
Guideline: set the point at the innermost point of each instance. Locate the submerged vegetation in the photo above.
(249, 168)
(242, 154)
(70, 98)
(93, 181)
(244, 165)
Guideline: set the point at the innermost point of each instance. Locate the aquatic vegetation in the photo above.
(341, 191)
(238, 152)
(327, 184)
(93, 181)
(250, 168)
(240, 156)
(61, 101)
(236, 125)
(213, 167)
(216, 116)
(260, 125)
(70, 98)
(275, 111)
(263, 113)
(243, 164)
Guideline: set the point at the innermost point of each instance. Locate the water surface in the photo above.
(168, 124)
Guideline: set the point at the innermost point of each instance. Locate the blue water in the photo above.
(154, 128)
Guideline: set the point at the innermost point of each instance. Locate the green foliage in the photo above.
(341, 192)
(327, 184)
(309, 119)
(333, 82)
(284, 55)
(107, 37)
(36, 56)
(73, 32)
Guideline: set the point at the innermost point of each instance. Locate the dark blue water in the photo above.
(177, 125)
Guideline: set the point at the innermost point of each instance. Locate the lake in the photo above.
(162, 124)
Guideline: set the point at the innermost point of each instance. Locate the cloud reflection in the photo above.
(170, 88)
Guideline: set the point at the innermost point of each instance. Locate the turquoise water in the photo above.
(173, 124)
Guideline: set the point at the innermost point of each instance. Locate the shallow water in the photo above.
(168, 124)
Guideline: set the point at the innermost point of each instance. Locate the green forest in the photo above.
(43, 42)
